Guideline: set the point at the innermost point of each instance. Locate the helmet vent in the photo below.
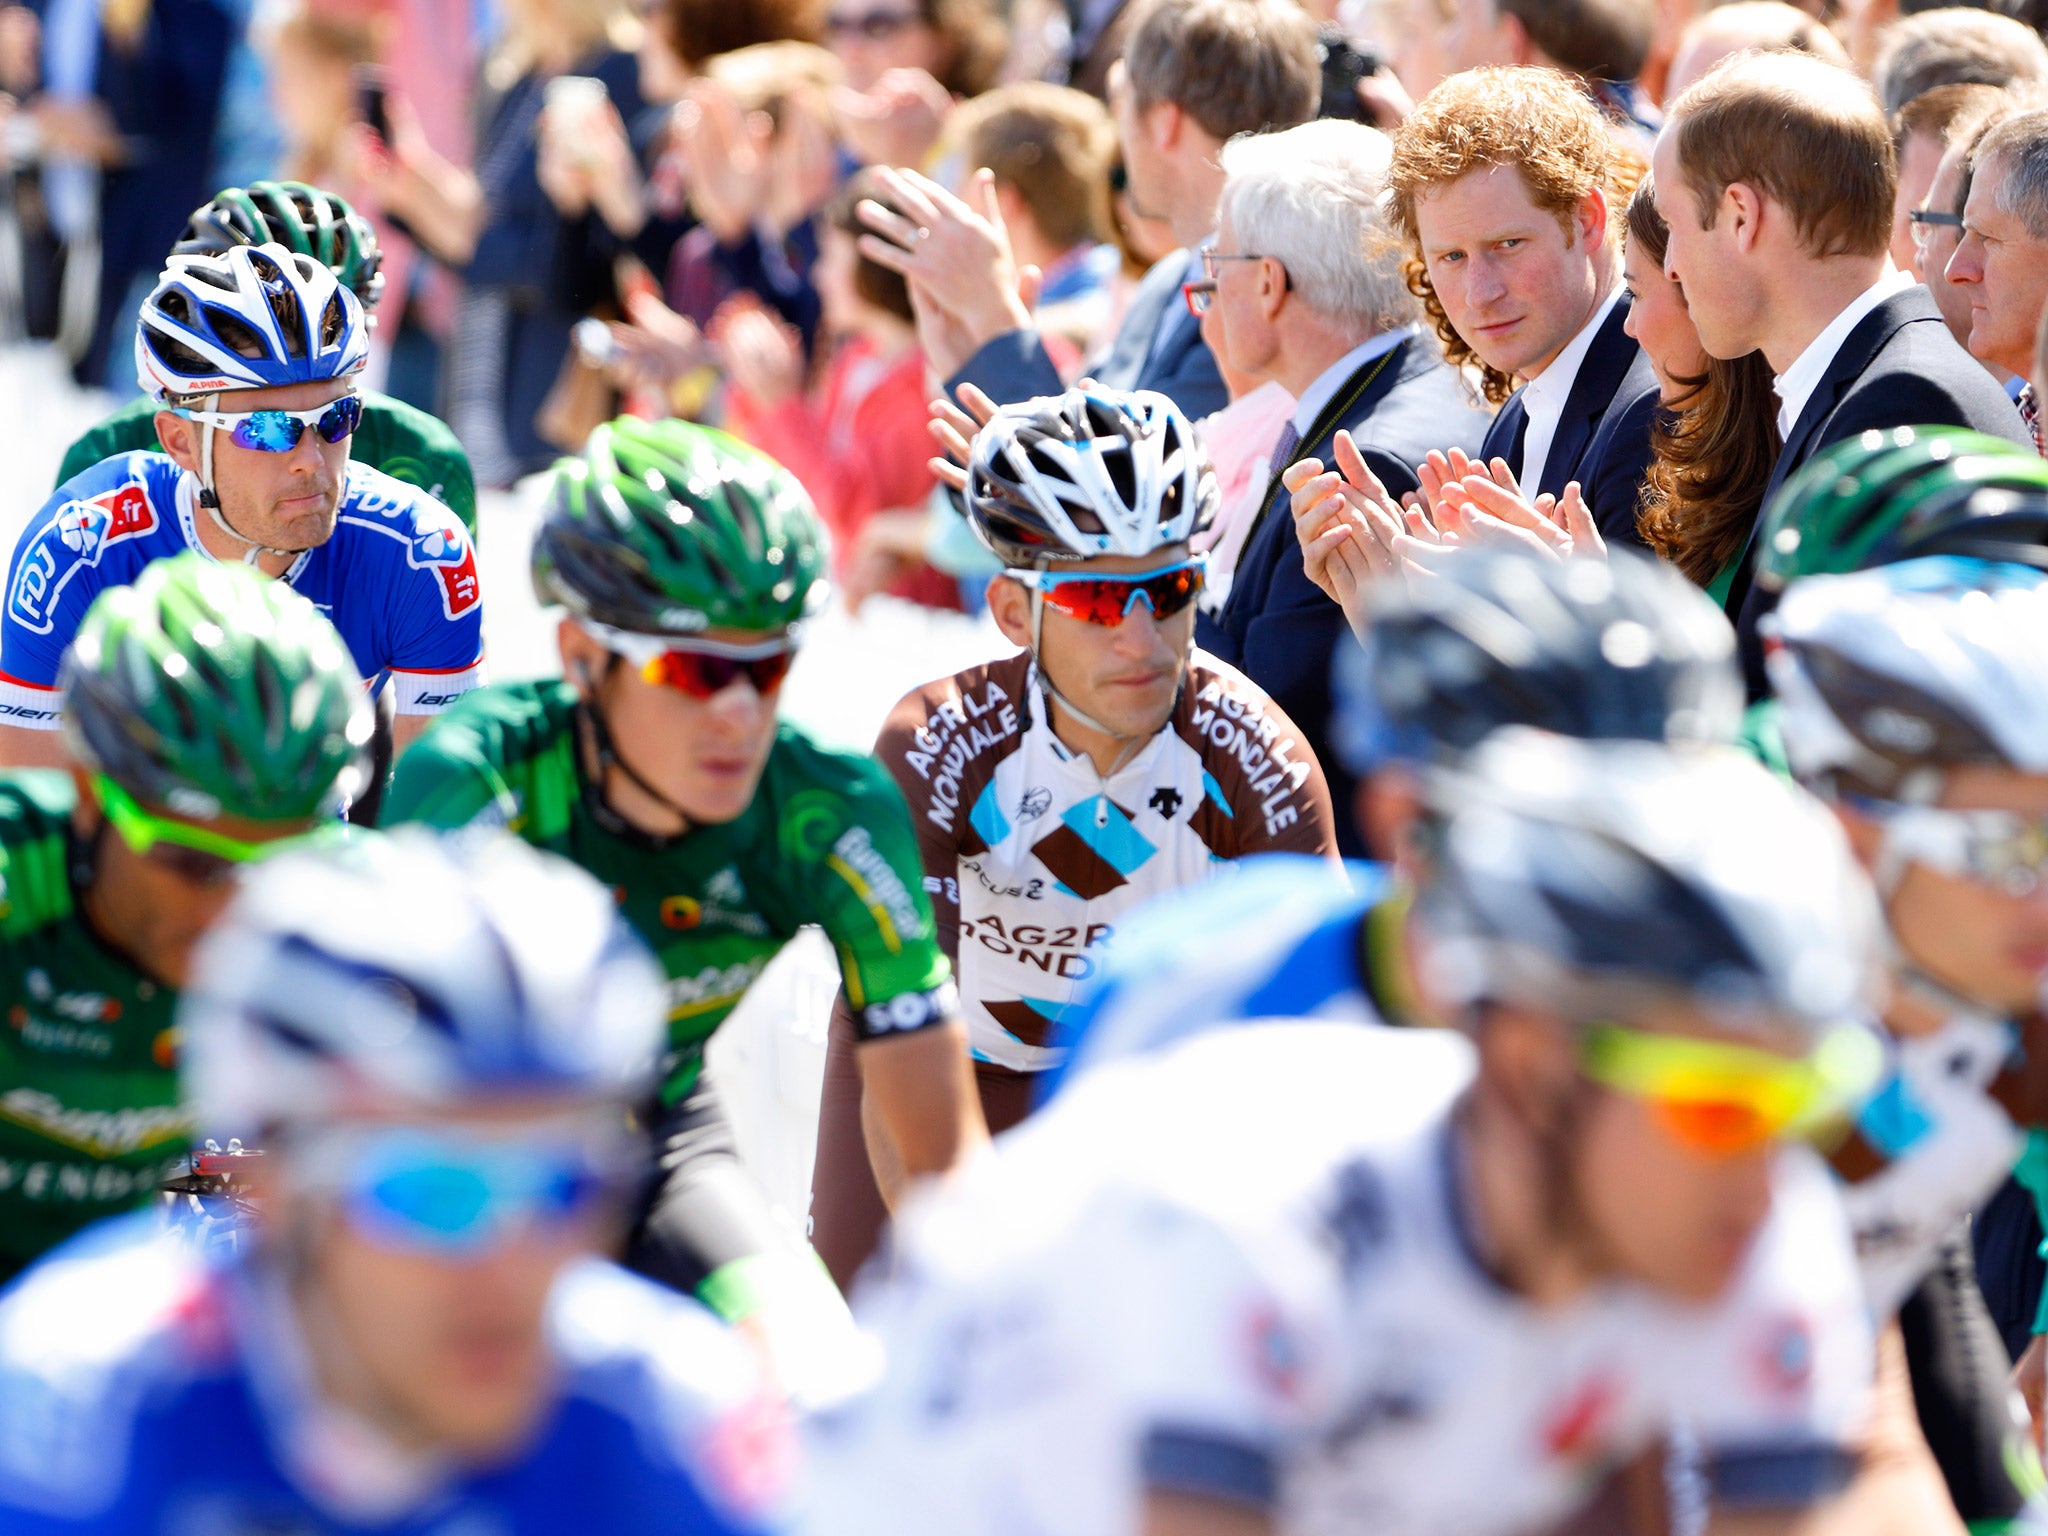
(239, 335)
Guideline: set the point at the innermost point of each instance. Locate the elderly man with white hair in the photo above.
(1306, 288)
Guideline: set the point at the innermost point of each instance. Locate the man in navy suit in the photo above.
(1505, 186)
(1195, 74)
(1307, 291)
(1777, 177)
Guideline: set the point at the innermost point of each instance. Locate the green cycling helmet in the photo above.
(210, 691)
(1876, 498)
(669, 528)
(302, 219)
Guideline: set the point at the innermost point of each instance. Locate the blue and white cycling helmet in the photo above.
(1590, 878)
(1888, 678)
(252, 317)
(1086, 473)
(410, 971)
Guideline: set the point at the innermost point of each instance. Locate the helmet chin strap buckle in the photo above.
(210, 500)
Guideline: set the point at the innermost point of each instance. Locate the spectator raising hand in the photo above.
(585, 161)
(956, 258)
(725, 156)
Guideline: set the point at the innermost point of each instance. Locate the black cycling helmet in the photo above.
(1086, 473)
(303, 219)
(1585, 878)
(1627, 649)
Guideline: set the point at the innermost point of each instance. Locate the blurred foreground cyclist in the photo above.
(1914, 697)
(1625, 650)
(435, 1046)
(688, 563)
(402, 440)
(1104, 763)
(208, 713)
(1430, 1281)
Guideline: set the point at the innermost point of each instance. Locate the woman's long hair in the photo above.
(1714, 455)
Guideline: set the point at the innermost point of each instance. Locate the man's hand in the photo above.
(1347, 524)
(954, 426)
(1480, 510)
(956, 257)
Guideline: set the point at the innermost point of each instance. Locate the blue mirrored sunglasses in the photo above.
(280, 431)
(453, 1196)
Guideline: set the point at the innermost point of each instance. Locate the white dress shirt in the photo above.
(1795, 386)
(1544, 397)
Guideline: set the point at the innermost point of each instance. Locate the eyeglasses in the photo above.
(448, 1195)
(194, 854)
(1926, 221)
(278, 431)
(1995, 848)
(1199, 296)
(1721, 1100)
(702, 668)
(873, 26)
(1108, 600)
(1212, 261)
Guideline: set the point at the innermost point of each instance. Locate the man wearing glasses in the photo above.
(688, 564)
(1104, 763)
(209, 714)
(251, 354)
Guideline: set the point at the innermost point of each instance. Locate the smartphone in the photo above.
(370, 88)
(574, 97)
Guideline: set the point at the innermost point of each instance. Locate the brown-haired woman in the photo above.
(1715, 448)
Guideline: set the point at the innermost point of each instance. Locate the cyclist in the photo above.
(1914, 697)
(1629, 649)
(1105, 762)
(434, 1045)
(208, 713)
(688, 563)
(1402, 1281)
(402, 440)
(250, 355)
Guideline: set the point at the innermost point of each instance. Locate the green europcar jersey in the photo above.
(89, 1115)
(400, 439)
(827, 840)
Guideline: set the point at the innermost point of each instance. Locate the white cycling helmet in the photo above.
(251, 317)
(1889, 677)
(1580, 876)
(415, 971)
(1089, 472)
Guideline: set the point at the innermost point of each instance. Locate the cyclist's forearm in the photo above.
(920, 1099)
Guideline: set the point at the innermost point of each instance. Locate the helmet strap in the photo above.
(606, 750)
(210, 499)
(1053, 694)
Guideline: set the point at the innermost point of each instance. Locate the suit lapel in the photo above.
(1132, 348)
(1601, 372)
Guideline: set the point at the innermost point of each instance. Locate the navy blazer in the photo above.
(1603, 438)
(1899, 367)
(1014, 366)
(1278, 627)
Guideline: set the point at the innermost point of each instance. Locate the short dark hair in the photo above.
(1807, 134)
(1234, 66)
(1599, 39)
(702, 29)
(1932, 114)
(875, 283)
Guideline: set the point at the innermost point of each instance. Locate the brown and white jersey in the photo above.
(1032, 857)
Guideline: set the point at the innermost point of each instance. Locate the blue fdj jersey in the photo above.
(398, 578)
(1294, 952)
(148, 1391)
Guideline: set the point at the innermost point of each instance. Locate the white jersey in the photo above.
(1033, 859)
(1240, 1269)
